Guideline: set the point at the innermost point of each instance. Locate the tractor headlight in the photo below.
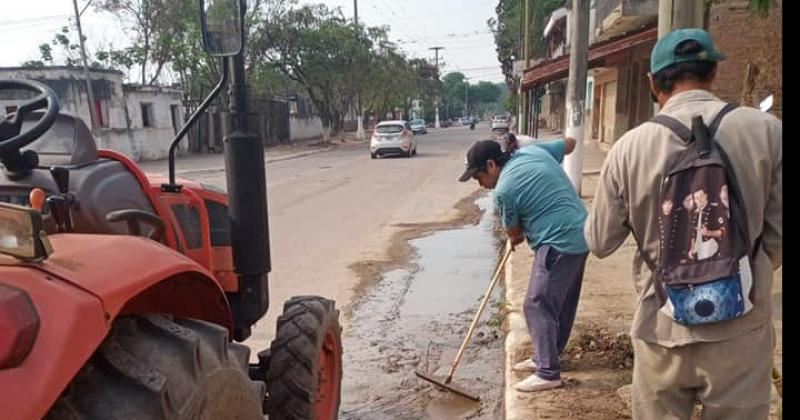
(22, 233)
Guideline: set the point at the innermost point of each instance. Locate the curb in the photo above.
(513, 408)
(277, 159)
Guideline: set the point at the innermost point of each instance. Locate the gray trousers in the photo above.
(551, 304)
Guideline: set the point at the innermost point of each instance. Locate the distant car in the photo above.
(393, 137)
(500, 122)
(418, 126)
(466, 120)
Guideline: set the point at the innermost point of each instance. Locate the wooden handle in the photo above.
(475, 320)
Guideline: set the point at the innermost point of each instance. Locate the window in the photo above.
(101, 109)
(147, 115)
(219, 222)
(390, 128)
(11, 109)
(589, 94)
(175, 114)
(189, 220)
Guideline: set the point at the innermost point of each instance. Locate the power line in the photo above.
(21, 21)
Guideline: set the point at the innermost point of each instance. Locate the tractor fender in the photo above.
(85, 284)
(132, 275)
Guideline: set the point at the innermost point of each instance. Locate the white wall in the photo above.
(304, 128)
(150, 143)
(74, 100)
(124, 131)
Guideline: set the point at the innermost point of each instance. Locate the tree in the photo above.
(316, 48)
(156, 25)
(484, 92)
(454, 88)
(508, 32)
(61, 40)
(508, 36)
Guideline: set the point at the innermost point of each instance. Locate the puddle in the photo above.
(415, 318)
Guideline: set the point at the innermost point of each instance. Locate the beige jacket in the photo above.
(628, 192)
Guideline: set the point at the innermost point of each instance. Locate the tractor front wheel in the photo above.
(305, 369)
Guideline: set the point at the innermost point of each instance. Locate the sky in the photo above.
(415, 25)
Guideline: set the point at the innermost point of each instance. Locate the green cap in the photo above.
(664, 55)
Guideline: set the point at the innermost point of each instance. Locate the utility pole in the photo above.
(436, 52)
(679, 14)
(523, 119)
(360, 135)
(576, 99)
(466, 94)
(86, 75)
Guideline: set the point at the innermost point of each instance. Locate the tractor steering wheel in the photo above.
(11, 139)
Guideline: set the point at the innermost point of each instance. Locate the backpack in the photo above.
(703, 270)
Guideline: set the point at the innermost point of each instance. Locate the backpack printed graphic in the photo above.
(703, 273)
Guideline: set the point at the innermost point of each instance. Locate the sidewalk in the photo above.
(599, 357)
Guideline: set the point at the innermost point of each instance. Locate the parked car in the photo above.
(500, 122)
(393, 137)
(418, 126)
(466, 120)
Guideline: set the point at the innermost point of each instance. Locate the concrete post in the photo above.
(678, 14)
(576, 99)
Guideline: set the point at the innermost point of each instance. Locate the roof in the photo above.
(134, 87)
(557, 15)
(62, 68)
(558, 68)
(392, 122)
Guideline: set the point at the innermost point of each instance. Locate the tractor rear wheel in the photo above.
(154, 367)
(305, 368)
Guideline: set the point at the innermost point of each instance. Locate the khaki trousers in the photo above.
(731, 379)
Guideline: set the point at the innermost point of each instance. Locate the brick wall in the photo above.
(748, 41)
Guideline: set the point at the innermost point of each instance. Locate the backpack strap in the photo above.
(685, 133)
(674, 125)
(661, 294)
(712, 129)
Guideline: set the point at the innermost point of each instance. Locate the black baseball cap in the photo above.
(478, 155)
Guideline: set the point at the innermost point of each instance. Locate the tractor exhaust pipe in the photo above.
(247, 192)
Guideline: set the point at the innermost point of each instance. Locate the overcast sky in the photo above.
(416, 25)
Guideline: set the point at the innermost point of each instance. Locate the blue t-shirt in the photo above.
(535, 193)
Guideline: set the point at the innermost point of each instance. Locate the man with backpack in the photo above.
(700, 189)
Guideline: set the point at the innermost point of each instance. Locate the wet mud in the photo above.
(414, 317)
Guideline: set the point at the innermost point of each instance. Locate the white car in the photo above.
(418, 126)
(393, 137)
(500, 122)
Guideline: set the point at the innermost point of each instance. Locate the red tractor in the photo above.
(124, 296)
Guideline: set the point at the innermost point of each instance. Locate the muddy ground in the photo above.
(413, 315)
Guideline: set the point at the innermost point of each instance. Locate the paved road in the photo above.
(332, 209)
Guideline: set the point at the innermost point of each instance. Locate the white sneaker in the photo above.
(534, 383)
(526, 365)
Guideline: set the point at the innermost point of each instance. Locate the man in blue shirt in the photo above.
(538, 203)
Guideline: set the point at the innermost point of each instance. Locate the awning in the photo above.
(558, 68)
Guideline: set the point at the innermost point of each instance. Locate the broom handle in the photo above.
(475, 320)
(778, 381)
